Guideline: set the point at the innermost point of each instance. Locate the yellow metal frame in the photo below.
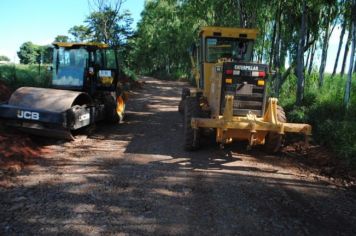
(250, 127)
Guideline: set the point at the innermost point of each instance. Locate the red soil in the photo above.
(16, 152)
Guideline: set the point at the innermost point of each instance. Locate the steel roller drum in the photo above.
(52, 100)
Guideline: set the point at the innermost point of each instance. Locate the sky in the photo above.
(40, 21)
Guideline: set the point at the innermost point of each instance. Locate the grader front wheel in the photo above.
(191, 136)
(274, 140)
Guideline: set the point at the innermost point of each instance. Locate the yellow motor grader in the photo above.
(230, 96)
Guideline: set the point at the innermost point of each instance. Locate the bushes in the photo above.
(25, 75)
(333, 125)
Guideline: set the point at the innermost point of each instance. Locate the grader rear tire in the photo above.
(274, 140)
(191, 136)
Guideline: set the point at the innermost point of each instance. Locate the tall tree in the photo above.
(342, 34)
(346, 51)
(300, 55)
(329, 15)
(344, 18)
(110, 25)
(107, 23)
(311, 61)
(352, 58)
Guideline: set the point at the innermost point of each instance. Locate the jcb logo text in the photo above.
(28, 115)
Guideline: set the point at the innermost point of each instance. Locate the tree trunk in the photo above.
(311, 59)
(340, 46)
(274, 41)
(300, 57)
(260, 57)
(346, 52)
(307, 42)
(324, 53)
(272, 45)
(349, 76)
(277, 56)
(307, 60)
(283, 54)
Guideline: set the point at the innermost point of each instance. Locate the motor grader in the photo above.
(230, 97)
(85, 88)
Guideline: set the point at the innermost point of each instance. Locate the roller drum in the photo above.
(50, 100)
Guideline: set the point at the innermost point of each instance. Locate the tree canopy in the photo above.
(30, 53)
(61, 38)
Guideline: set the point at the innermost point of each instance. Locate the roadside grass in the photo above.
(334, 126)
(19, 75)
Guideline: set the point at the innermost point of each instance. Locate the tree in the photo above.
(28, 53)
(345, 8)
(329, 13)
(346, 51)
(4, 58)
(311, 59)
(61, 38)
(352, 58)
(107, 23)
(300, 57)
(81, 33)
(45, 54)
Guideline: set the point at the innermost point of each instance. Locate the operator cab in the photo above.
(83, 66)
(228, 49)
(218, 45)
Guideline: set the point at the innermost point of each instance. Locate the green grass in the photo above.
(334, 126)
(25, 75)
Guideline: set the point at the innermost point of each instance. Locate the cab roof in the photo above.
(214, 31)
(80, 44)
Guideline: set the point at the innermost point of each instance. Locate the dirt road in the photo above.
(136, 179)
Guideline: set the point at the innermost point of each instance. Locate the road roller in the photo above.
(85, 88)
